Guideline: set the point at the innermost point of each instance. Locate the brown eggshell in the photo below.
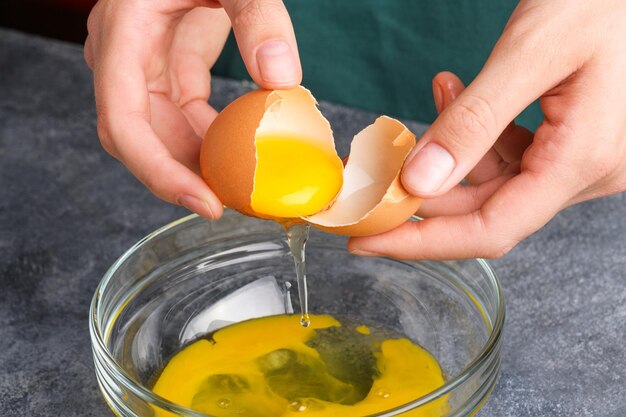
(228, 154)
(372, 200)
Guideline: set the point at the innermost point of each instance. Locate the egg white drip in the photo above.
(376, 157)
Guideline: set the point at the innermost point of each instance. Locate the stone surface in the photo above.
(67, 210)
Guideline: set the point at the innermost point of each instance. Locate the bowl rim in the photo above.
(98, 335)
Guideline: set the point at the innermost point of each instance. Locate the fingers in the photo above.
(504, 157)
(520, 207)
(125, 116)
(577, 150)
(462, 199)
(197, 43)
(446, 87)
(513, 142)
(471, 124)
(149, 160)
(266, 41)
(174, 131)
(488, 175)
(125, 130)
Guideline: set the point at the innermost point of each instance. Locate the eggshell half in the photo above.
(372, 199)
(228, 154)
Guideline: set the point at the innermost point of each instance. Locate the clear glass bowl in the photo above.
(193, 276)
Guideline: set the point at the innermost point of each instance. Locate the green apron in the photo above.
(381, 55)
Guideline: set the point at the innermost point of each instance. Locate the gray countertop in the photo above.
(67, 211)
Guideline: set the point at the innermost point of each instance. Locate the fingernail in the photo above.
(196, 205)
(277, 62)
(438, 97)
(361, 252)
(448, 95)
(427, 170)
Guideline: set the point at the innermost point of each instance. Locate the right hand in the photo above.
(151, 62)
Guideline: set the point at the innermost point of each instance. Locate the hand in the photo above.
(151, 62)
(571, 56)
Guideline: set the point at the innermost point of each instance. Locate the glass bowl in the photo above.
(193, 276)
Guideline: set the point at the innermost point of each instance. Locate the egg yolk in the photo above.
(273, 367)
(293, 177)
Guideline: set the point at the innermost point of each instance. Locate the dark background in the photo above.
(61, 19)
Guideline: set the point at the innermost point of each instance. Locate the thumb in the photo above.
(266, 41)
(466, 130)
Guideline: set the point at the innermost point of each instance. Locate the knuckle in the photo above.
(155, 179)
(572, 149)
(88, 55)
(105, 139)
(151, 183)
(256, 13)
(92, 20)
(248, 13)
(496, 242)
(607, 163)
(189, 89)
(605, 168)
(474, 116)
(154, 182)
(500, 249)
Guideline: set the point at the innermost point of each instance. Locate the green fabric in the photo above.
(381, 55)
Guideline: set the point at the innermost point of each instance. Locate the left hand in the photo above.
(569, 54)
(151, 62)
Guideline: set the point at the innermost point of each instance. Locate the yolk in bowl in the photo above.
(293, 177)
(274, 367)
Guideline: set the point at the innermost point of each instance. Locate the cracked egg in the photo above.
(271, 154)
